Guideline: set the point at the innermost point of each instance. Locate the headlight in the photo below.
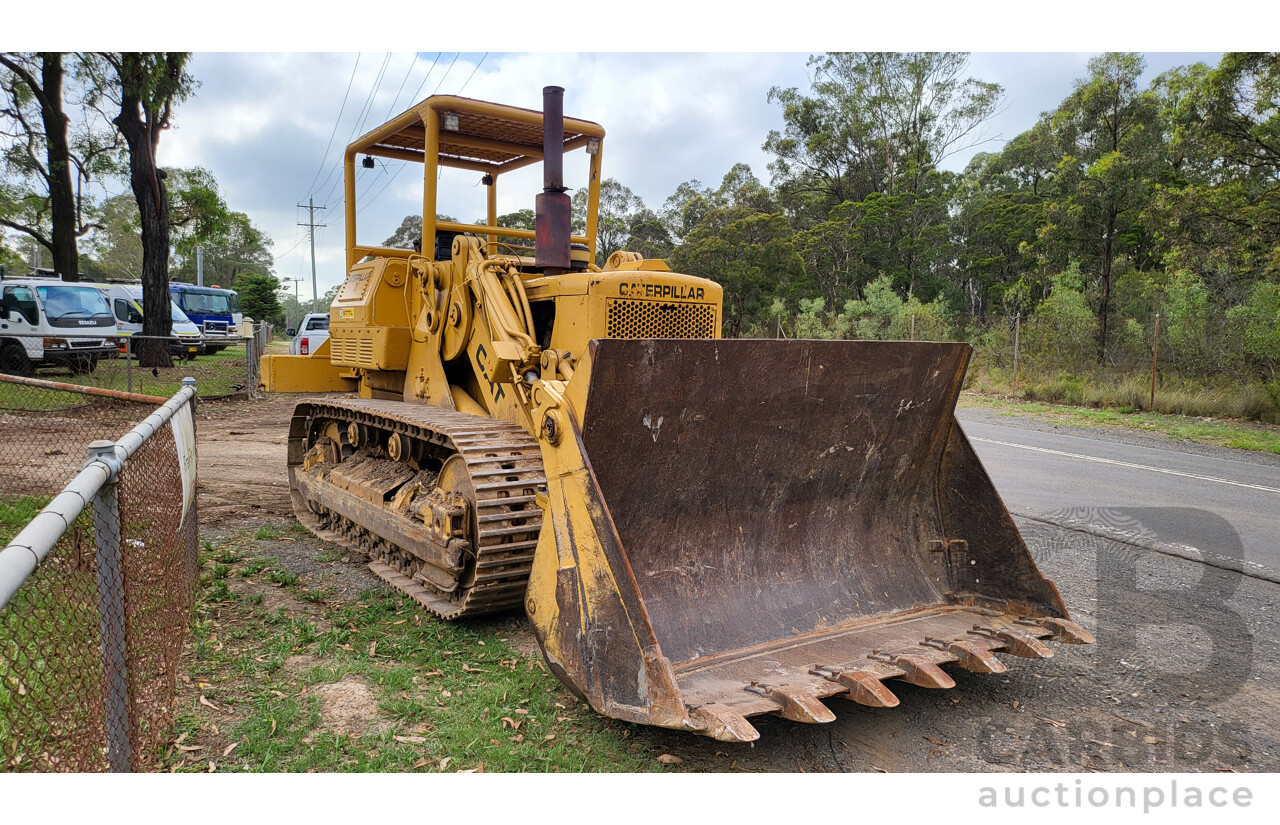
(55, 343)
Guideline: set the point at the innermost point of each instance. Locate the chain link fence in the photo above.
(97, 584)
(222, 365)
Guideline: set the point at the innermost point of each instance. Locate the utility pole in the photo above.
(298, 323)
(199, 266)
(311, 224)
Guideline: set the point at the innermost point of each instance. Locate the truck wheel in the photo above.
(14, 360)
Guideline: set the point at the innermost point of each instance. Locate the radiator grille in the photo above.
(652, 319)
(352, 352)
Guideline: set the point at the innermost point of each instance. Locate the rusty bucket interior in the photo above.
(806, 518)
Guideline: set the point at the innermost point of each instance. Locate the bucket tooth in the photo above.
(863, 687)
(722, 723)
(1066, 631)
(794, 703)
(972, 656)
(918, 671)
(1016, 642)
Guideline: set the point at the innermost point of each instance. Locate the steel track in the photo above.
(504, 464)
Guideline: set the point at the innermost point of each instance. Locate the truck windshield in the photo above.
(72, 302)
(206, 303)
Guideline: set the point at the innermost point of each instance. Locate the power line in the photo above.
(364, 113)
(446, 73)
(394, 100)
(473, 72)
(335, 123)
(421, 85)
(414, 99)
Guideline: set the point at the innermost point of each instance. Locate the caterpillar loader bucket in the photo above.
(743, 527)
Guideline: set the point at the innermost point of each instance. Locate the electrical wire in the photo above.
(473, 72)
(343, 107)
(396, 99)
(364, 113)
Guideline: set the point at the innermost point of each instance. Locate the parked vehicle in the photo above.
(45, 322)
(126, 304)
(216, 311)
(312, 332)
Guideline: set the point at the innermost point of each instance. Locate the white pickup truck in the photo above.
(313, 332)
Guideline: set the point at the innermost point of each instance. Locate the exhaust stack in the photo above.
(552, 208)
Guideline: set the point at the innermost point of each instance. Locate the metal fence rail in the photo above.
(222, 365)
(96, 594)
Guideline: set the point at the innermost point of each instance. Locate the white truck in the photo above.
(311, 333)
(186, 340)
(47, 322)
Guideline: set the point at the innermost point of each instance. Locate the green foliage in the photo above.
(259, 296)
(752, 256)
(1260, 317)
(1063, 326)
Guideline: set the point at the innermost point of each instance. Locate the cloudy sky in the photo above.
(271, 125)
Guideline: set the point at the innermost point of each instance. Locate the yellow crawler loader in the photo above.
(700, 529)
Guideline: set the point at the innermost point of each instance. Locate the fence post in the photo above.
(250, 346)
(1155, 347)
(128, 360)
(1017, 334)
(111, 607)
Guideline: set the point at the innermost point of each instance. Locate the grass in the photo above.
(1132, 392)
(1239, 435)
(16, 511)
(49, 655)
(216, 374)
(449, 696)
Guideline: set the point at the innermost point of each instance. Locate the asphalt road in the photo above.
(1221, 509)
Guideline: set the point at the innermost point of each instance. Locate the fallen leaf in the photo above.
(190, 748)
(562, 707)
(481, 641)
(207, 703)
(937, 741)
(421, 762)
(372, 647)
(444, 763)
(522, 711)
(669, 759)
(446, 694)
(1015, 704)
(433, 673)
(273, 727)
(548, 737)
(229, 749)
(213, 766)
(469, 669)
(1152, 740)
(180, 739)
(519, 737)
(410, 740)
(508, 722)
(494, 742)
(1053, 722)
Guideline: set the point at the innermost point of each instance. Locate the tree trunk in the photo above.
(153, 209)
(62, 203)
(1104, 304)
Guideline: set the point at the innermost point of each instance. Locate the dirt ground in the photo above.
(1183, 677)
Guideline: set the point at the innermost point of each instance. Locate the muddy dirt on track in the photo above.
(1183, 678)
